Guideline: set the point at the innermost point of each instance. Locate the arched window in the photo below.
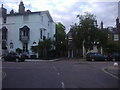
(41, 34)
(24, 33)
(4, 33)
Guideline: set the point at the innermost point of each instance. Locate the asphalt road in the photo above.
(59, 74)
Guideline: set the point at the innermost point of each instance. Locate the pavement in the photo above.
(38, 60)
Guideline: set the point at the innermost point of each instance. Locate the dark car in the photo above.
(95, 56)
(13, 57)
(114, 57)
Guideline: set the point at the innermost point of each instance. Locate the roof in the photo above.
(28, 13)
(116, 30)
(17, 14)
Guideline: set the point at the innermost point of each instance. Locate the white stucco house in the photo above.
(20, 29)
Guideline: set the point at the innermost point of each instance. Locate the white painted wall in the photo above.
(0, 42)
(14, 23)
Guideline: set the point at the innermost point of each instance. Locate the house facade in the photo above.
(114, 33)
(70, 47)
(24, 28)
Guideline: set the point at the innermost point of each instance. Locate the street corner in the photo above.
(114, 71)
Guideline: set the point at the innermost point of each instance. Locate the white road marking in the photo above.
(103, 69)
(63, 86)
(62, 83)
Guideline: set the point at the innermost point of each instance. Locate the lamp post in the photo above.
(33, 48)
(11, 46)
(33, 45)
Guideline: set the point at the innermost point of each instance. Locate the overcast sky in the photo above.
(65, 11)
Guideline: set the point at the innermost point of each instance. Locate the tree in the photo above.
(60, 42)
(44, 47)
(102, 38)
(88, 27)
(87, 33)
(112, 46)
(34, 48)
(18, 50)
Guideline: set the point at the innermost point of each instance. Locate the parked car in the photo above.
(95, 56)
(13, 57)
(114, 57)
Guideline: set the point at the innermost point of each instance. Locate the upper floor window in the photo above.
(116, 37)
(41, 34)
(4, 33)
(42, 18)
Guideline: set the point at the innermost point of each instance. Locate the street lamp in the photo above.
(11, 46)
(34, 51)
(34, 44)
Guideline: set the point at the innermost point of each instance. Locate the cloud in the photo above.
(106, 14)
(65, 11)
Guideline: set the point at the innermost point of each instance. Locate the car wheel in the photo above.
(105, 59)
(113, 59)
(93, 60)
(17, 60)
(3, 59)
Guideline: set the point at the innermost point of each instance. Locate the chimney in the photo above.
(21, 7)
(101, 25)
(117, 23)
(12, 11)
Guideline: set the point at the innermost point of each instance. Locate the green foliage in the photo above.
(45, 44)
(18, 50)
(44, 47)
(87, 31)
(60, 32)
(60, 42)
(112, 47)
(102, 37)
(34, 49)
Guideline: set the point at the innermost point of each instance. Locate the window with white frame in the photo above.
(116, 37)
(41, 34)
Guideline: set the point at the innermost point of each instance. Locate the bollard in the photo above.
(115, 64)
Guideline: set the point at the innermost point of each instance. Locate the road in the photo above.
(58, 74)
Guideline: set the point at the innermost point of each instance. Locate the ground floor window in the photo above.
(25, 47)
